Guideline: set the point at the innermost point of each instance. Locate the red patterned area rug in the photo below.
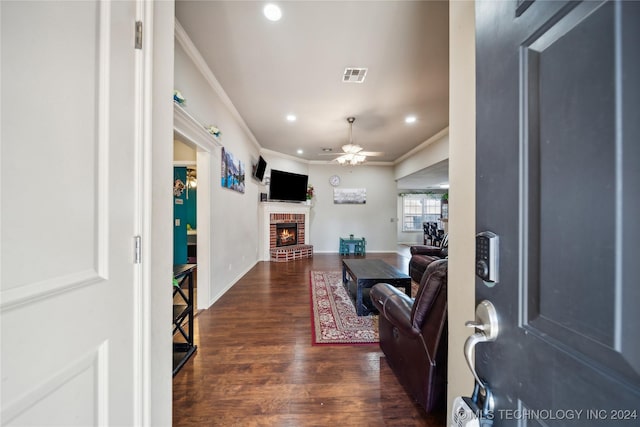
(333, 316)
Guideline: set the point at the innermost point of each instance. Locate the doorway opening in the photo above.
(196, 230)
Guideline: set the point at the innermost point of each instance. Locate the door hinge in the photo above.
(138, 34)
(137, 249)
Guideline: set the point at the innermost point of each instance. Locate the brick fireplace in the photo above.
(286, 234)
(282, 225)
(288, 218)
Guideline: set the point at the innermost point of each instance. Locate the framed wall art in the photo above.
(233, 172)
(349, 196)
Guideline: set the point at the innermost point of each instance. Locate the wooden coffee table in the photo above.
(359, 275)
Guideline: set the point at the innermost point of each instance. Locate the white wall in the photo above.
(462, 121)
(182, 152)
(430, 152)
(283, 162)
(372, 220)
(233, 230)
(329, 221)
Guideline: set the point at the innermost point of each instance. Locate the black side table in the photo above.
(183, 346)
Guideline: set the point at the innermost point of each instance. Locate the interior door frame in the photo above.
(142, 324)
(154, 386)
(204, 150)
(462, 191)
(152, 305)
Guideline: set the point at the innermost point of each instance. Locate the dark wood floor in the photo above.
(255, 365)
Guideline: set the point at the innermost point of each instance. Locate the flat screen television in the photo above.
(258, 171)
(287, 186)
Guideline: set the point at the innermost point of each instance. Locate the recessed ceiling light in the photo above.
(291, 118)
(410, 119)
(300, 151)
(272, 12)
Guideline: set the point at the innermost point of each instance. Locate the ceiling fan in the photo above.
(352, 153)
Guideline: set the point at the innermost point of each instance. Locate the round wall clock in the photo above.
(334, 180)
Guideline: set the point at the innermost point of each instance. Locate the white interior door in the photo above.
(68, 218)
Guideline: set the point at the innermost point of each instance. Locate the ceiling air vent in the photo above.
(354, 75)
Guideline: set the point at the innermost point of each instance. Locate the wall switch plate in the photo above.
(177, 222)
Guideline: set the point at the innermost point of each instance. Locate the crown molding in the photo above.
(422, 146)
(194, 54)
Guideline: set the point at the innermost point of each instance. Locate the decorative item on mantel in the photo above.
(309, 194)
(213, 130)
(177, 97)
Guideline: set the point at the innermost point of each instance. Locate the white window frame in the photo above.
(430, 209)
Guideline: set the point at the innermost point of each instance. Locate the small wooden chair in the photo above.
(344, 247)
(359, 248)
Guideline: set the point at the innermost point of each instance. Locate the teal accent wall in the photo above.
(180, 213)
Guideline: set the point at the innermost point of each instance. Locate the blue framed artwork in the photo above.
(233, 172)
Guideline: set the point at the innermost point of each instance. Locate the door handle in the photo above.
(487, 329)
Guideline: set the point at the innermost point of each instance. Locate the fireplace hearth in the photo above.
(286, 234)
(279, 247)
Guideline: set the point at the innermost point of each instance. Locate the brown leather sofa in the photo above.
(413, 335)
(423, 255)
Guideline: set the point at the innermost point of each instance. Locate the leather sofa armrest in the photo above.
(425, 250)
(394, 305)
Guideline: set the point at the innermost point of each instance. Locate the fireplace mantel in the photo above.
(265, 211)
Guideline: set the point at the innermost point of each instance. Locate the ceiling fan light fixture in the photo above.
(357, 159)
(351, 148)
(351, 159)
